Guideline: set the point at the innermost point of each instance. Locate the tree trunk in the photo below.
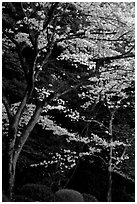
(11, 180)
(14, 148)
(11, 161)
(109, 195)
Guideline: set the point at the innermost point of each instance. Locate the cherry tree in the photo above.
(91, 35)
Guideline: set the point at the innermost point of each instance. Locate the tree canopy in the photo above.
(68, 70)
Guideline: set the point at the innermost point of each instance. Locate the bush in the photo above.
(68, 195)
(89, 198)
(22, 198)
(36, 192)
(4, 198)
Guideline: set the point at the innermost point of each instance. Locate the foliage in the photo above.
(95, 181)
(78, 63)
(65, 159)
(22, 198)
(89, 198)
(36, 192)
(68, 195)
(93, 141)
(4, 198)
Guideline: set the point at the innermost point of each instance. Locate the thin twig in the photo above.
(31, 39)
(124, 152)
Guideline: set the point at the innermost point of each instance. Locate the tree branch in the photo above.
(50, 14)
(6, 24)
(30, 36)
(82, 35)
(27, 130)
(122, 156)
(32, 78)
(105, 18)
(27, 95)
(58, 95)
(103, 60)
(10, 37)
(99, 123)
(7, 107)
(24, 67)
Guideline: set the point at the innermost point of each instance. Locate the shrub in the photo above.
(68, 195)
(89, 198)
(4, 198)
(22, 198)
(36, 192)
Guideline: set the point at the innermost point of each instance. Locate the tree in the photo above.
(33, 30)
(110, 89)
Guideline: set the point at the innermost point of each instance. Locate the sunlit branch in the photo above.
(7, 106)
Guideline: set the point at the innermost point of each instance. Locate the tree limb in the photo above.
(10, 37)
(30, 36)
(6, 24)
(27, 130)
(122, 56)
(7, 107)
(103, 60)
(82, 35)
(122, 156)
(50, 14)
(19, 53)
(27, 95)
(24, 67)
